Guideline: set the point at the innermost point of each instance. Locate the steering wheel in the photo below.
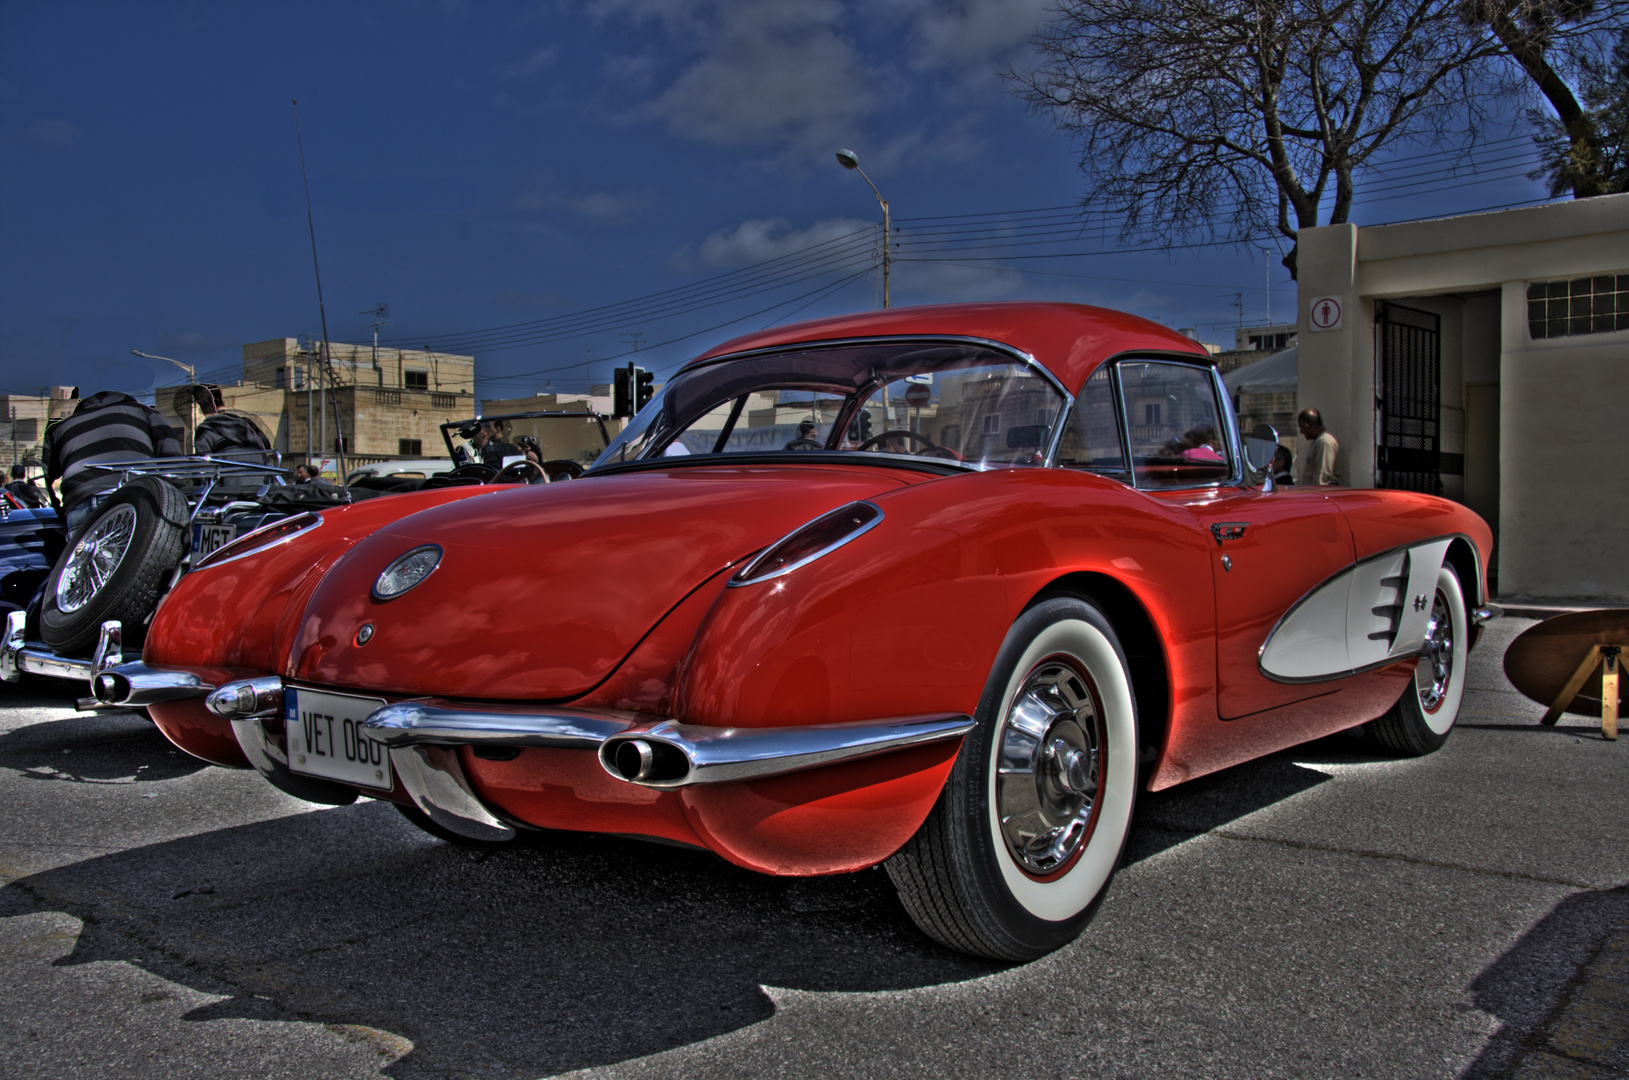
(804, 444)
(562, 469)
(482, 472)
(520, 472)
(928, 445)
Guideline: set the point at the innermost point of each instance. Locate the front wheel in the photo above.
(1422, 718)
(1018, 853)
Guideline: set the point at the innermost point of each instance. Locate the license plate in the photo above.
(206, 538)
(326, 738)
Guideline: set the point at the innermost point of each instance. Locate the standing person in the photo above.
(1318, 463)
(221, 431)
(109, 426)
(22, 487)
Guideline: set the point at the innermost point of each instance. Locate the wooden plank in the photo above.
(1609, 691)
(1574, 684)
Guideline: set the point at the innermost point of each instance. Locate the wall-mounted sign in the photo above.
(1325, 313)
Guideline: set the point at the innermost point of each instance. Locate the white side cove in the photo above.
(1370, 614)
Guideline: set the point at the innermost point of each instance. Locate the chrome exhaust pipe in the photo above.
(670, 755)
(137, 684)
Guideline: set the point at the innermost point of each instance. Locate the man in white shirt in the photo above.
(1318, 463)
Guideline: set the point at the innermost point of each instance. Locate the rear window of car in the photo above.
(965, 403)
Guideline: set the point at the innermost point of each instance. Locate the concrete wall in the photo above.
(1564, 485)
(355, 365)
(1539, 421)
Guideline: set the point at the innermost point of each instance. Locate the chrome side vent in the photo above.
(1392, 613)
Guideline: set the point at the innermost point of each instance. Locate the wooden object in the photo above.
(1571, 664)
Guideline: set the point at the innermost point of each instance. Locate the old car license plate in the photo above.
(326, 738)
(206, 538)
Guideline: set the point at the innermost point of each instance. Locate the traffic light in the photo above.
(643, 388)
(631, 390)
(859, 429)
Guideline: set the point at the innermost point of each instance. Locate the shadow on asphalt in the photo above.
(92, 748)
(1529, 989)
(568, 951)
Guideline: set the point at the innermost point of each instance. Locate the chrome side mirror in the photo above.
(1259, 448)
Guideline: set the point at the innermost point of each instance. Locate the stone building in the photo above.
(1485, 358)
(379, 404)
(24, 418)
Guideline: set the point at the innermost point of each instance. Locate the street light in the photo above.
(848, 159)
(192, 401)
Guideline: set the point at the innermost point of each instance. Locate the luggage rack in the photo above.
(204, 470)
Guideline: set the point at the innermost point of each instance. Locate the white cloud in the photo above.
(530, 64)
(54, 132)
(781, 75)
(603, 206)
(947, 282)
(760, 239)
(967, 36)
(795, 79)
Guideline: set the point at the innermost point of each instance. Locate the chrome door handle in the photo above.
(1228, 530)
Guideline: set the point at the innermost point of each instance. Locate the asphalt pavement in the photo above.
(1326, 912)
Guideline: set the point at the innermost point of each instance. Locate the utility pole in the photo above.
(381, 315)
(848, 159)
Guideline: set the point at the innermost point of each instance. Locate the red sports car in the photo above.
(941, 588)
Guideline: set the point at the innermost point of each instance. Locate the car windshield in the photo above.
(578, 437)
(953, 401)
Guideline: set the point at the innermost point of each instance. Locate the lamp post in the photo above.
(848, 159)
(192, 402)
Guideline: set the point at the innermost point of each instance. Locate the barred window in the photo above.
(416, 380)
(410, 447)
(1590, 305)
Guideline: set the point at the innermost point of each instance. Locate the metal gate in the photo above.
(1408, 399)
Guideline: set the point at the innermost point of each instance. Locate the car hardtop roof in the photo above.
(1070, 340)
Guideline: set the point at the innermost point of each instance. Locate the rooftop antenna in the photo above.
(322, 312)
(381, 317)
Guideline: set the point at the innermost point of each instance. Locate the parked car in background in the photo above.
(939, 588)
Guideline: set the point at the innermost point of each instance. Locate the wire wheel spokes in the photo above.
(95, 557)
(1049, 768)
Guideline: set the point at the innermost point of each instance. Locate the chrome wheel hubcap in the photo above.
(1436, 667)
(95, 557)
(1049, 766)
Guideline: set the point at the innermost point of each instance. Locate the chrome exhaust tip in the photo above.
(645, 761)
(110, 688)
(137, 684)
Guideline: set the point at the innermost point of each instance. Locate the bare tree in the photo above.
(1243, 119)
(1583, 147)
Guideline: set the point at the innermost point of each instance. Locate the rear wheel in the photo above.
(1019, 851)
(118, 567)
(1422, 718)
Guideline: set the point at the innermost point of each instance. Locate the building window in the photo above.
(416, 380)
(992, 424)
(1151, 413)
(282, 379)
(410, 447)
(1590, 305)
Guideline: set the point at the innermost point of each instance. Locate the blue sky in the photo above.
(598, 165)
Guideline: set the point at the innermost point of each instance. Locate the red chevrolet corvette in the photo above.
(940, 588)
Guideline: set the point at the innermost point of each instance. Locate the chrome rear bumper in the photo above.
(422, 737)
(17, 656)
